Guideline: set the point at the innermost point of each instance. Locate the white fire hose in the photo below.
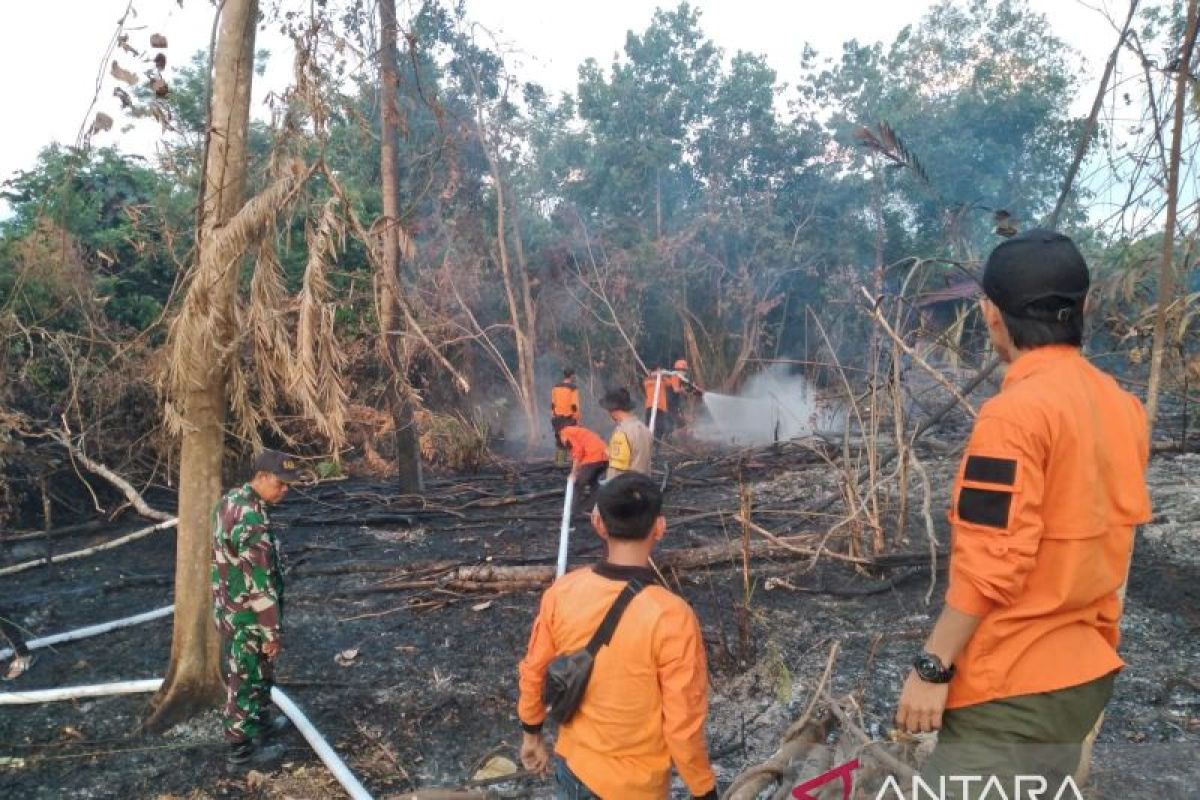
(654, 408)
(564, 531)
(326, 753)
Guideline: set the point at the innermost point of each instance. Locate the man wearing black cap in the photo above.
(630, 445)
(247, 585)
(1021, 661)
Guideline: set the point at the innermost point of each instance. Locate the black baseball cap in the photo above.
(281, 465)
(617, 399)
(1038, 274)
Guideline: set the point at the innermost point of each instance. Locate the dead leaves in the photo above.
(103, 122)
(122, 74)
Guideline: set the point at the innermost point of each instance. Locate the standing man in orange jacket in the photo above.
(1021, 661)
(564, 411)
(646, 702)
(657, 389)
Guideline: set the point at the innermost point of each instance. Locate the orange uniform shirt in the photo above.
(647, 699)
(1043, 514)
(648, 389)
(564, 401)
(586, 447)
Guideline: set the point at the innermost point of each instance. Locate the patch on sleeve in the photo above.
(1002, 471)
(984, 507)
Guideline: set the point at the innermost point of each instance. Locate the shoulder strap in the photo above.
(604, 633)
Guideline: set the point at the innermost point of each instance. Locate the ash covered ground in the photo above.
(430, 694)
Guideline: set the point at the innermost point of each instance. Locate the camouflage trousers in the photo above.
(249, 676)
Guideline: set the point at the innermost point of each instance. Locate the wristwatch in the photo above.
(931, 669)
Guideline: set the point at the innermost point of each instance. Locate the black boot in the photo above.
(246, 752)
(273, 725)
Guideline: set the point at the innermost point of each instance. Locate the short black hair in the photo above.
(629, 504)
(1027, 334)
(568, 372)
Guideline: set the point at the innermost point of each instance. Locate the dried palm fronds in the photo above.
(201, 337)
(885, 142)
(316, 373)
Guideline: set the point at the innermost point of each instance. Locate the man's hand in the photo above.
(921, 705)
(271, 649)
(535, 754)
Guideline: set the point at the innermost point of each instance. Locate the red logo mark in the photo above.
(801, 792)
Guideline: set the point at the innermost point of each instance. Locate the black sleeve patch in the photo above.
(1002, 471)
(984, 507)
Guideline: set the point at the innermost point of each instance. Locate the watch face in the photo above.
(930, 669)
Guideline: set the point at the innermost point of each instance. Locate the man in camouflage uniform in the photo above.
(247, 585)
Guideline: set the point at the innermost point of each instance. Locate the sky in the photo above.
(53, 53)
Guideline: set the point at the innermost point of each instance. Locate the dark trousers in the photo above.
(567, 786)
(13, 634)
(664, 423)
(587, 481)
(558, 423)
(1032, 735)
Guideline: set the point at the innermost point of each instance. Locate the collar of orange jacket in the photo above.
(1035, 360)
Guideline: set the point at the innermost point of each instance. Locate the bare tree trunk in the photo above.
(408, 455)
(522, 328)
(193, 680)
(1166, 276)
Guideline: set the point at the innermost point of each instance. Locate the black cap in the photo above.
(281, 465)
(617, 400)
(1038, 274)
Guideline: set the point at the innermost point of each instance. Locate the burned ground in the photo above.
(429, 691)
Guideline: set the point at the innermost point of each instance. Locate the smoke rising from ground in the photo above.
(773, 406)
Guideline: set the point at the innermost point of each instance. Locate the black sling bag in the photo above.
(568, 675)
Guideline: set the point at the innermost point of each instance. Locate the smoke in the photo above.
(773, 406)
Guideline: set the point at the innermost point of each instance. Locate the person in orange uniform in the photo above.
(1021, 661)
(589, 461)
(564, 411)
(679, 398)
(663, 423)
(646, 702)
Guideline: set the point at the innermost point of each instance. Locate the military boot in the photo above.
(248, 753)
(272, 726)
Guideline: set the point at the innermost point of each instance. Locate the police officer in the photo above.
(247, 586)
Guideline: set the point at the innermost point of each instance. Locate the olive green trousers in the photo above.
(1016, 741)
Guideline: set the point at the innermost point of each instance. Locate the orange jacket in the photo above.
(586, 447)
(648, 389)
(564, 401)
(1044, 506)
(647, 699)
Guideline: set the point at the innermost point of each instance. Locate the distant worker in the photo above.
(630, 446)
(589, 460)
(645, 703)
(247, 586)
(564, 411)
(657, 389)
(680, 401)
(1021, 661)
(22, 658)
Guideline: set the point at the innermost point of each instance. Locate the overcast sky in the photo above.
(53, 50)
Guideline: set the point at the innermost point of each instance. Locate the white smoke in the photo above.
(773, 406)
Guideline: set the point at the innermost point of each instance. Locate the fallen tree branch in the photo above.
(131, 494)
(87, 551)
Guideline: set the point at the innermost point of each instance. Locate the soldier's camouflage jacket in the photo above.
(247, 578)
